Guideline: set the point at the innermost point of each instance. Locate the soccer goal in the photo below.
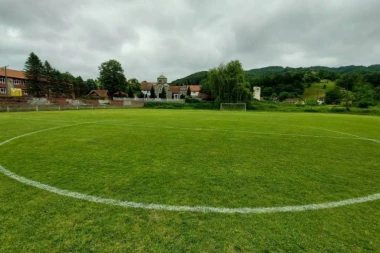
(233, 107)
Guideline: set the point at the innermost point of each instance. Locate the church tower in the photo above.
(162, 79)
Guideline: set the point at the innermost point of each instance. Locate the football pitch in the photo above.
(188, 181)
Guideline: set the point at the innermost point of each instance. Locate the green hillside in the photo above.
(317, 90)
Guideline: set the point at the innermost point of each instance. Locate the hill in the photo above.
(199, 77)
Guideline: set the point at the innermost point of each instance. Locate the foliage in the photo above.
(163, 93)
(190, 99)
(333, 96)
(364, 95)
(34, 71)
(111, 76)
(152, 92)
(44, 80)
(91, 84)
(284, 95)
(228, 83)
(188, 92)
(196, 78)
(134, 83)
(130, 91)
(81, 88)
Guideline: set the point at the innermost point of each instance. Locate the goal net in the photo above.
(233, 107)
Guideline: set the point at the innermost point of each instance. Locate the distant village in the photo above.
(13, 84)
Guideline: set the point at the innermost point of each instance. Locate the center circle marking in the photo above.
(151, 206)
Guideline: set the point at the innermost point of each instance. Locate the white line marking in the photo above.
(115, 202)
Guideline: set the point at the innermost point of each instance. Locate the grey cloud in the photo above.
(179, 37)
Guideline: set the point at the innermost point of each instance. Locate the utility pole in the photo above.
(6, 82)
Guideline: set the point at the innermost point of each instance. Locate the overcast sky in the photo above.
(180, 37)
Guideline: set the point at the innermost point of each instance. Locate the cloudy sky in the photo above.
(180, 37)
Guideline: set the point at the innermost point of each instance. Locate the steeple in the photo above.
(162, 79)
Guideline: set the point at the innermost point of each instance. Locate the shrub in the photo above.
(337, 109)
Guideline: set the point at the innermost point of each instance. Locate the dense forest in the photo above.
(359, 84)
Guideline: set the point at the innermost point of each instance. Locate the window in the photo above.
(2, 80)
(3, 90)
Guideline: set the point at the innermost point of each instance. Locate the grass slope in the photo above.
(211, 158)
(317, 90)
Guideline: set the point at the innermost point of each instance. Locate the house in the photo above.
(177, 92)
(321, 100)
(16, 81)
(145, 88)
(195, 89)
(98, 94)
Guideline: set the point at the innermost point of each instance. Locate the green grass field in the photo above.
(188, 159)
(317, 90)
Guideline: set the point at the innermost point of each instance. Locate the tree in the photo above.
(49, 79)
(69, 81)
(377, 93)
(91, 85)
(152, 92)
(34, 71)
(163, 93)
(364, 95)
(111, 76)
(80, 87)
(130, 91)
(333, 96)
(188, 91)
(284, 95)
(228, 83)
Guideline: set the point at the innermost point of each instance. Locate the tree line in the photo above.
(43, 80)
(361, 89)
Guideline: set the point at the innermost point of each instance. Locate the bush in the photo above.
(190, 99)
(310, 110)
(337, 109)
(364, 104)
(312, 102)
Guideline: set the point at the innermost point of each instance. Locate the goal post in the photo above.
(233, 107)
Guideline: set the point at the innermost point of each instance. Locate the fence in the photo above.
(156, 100)
(25, 107)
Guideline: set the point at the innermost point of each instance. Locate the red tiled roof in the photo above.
(146, 85)
(195, 88)
(120, 93)
(101, 93)
(13, 73)
(175, 89)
